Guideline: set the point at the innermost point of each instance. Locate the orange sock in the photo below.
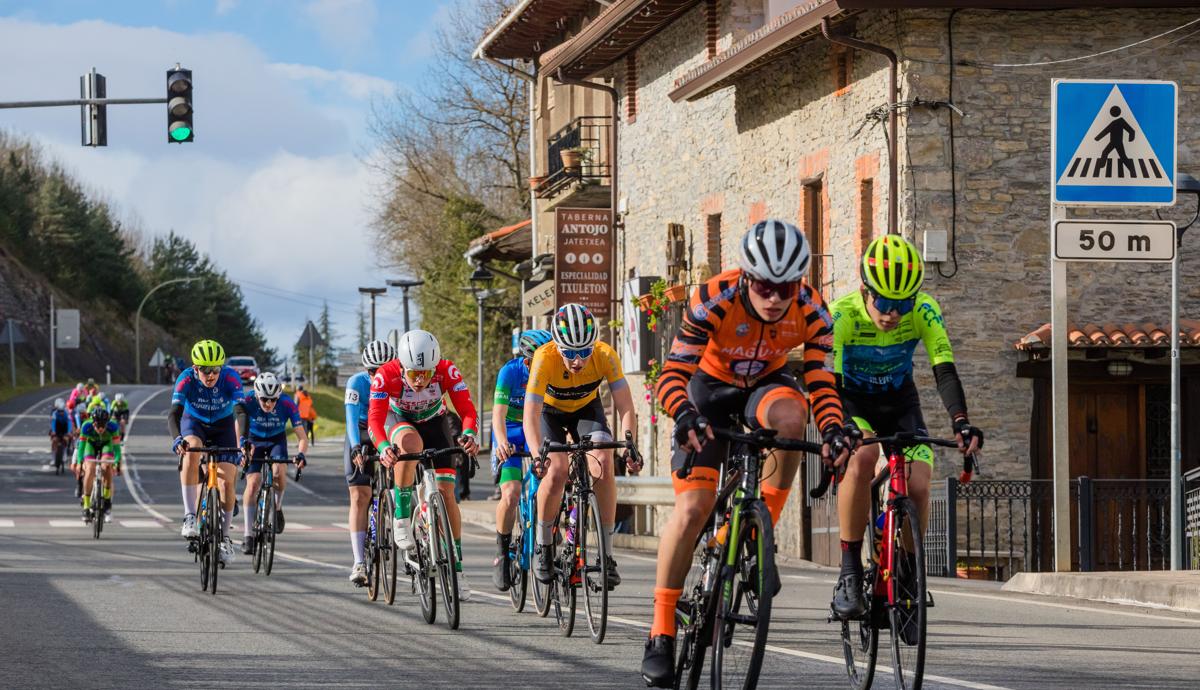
(775, 500)
(664, 611)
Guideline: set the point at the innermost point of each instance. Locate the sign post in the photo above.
(584, 259)
(1113, 143)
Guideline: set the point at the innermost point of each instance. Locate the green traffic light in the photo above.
(181, 133)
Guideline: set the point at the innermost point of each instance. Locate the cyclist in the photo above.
(61, 426)
(207, 409)
(120, 411)
(100, 436)
(269, 412)
(563, 398)
(91, 388)
(507, 414)
(876, 330)
(356, 449)
(415, 384)
(736, 334)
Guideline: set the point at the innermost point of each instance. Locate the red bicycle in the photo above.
(894, 584)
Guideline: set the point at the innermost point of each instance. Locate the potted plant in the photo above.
(676, 293)
(655, 303)
(536, 181)
(575, 158)
(649, 383)
(970, 572)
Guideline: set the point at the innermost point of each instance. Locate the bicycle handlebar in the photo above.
(430, 454)
(762, 439)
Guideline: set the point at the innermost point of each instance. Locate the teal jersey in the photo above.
(510, 389)
(870, 360)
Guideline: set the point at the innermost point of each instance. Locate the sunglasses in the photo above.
(265, 401)
(417, 374)
(900, 306)
(765, 289)
(209, 371)
(583, 353)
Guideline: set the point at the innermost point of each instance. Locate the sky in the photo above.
(274, 188)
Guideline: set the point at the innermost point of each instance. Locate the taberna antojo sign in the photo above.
(583, 259)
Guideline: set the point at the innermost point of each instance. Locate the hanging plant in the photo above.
(653, 370)
(655, 304)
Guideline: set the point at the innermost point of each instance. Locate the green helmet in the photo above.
(892, 267)
(208, 353)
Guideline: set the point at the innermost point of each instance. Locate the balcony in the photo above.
(588, 184)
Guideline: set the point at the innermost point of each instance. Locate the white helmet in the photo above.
(419, 350)
(574, 327)
(377, 353)
(118, 396)
(60, 404)
(267, 386)
(775, 251)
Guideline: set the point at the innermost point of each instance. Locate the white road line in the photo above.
(341, 525)
(29, 410)
(7, 523)
(141, 524)
(297, 525)
(135, 488)
(67, 523)
(1070, 607)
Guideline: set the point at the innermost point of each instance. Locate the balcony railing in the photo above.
(591, 134)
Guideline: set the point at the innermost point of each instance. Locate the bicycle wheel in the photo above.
(694, 614)
(564, 593)
(268, 533)
(593, 566)
(375, 520)
(423, 579)
(445, 557)
(388, 552)
(200, 545)
(58, 458)
(517, 575)
(97, 500)
(860, 638)
(906, 615)
(258, 531)
(747, 574)
(216, 533)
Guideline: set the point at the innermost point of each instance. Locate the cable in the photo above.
(298, 301)
(299, 294)
(1045, 63)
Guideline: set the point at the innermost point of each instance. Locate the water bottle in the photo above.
(571, 526)
(877, 535)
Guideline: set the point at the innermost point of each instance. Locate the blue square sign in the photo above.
(1113, 142)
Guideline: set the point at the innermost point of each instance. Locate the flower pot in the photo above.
(975, 572)
(676, 293)
(644, 301)
(535, 182)
(571, 159)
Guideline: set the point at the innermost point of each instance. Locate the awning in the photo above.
(620, 28)
(532, 29)
(509, 243)
(1129, 335)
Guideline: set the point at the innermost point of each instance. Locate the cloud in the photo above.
(346, 26)
(226, 6)
(271, 188)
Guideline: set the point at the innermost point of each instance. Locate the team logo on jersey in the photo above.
(748, 367)
(743, 329)
(700, 312)
(379, 395)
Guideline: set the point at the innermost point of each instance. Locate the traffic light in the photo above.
(179, 105)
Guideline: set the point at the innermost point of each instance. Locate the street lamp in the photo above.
(137, 324)
(404, 284)
(373, 292)
(480, 297)
(482, 275)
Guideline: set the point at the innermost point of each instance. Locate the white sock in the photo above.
(545, 532)
(278, 499)
(248, 517)
(228, 521)
(191, 496)
(610, 529)
(356, 543)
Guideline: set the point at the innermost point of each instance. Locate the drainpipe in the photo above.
(893, 90)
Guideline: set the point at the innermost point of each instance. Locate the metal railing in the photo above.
(592, 134)
(1191, 519)
(994, 529)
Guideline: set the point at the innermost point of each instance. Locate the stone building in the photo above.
(730, 111)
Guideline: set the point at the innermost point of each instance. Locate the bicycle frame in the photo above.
(897, 488)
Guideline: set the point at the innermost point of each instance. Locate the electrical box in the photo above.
(934, 247)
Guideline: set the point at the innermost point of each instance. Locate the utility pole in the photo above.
(52, 337)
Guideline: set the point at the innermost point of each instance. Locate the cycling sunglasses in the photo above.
(209, 371)
(582, 353)
(900, 306)
(765, 289)
(268, 400)
(418, 374)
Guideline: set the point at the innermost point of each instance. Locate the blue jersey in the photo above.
(510, 388)
(264, 425)
(208, 404)
(358, 399)
(61, 423)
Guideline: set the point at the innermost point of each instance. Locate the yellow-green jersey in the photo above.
(868, 359)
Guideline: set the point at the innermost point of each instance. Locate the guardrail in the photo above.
(645, 491)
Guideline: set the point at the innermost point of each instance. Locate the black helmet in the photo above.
(100, 417)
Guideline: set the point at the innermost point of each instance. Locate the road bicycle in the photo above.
(98, 512)
(381, 551)
(264, 528)
(207, 546)
(894, 580)
(728, 592)
(58, 445)
(433, 561)
(581, 541)
(521, 547)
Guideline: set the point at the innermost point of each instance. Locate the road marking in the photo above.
(28, 411)
(67, 523)
(7, 523)
(1070, 607)
(141, 524)
(135, 488)
(297, 525)
(341, 525)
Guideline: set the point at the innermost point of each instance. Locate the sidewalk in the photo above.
(1175, 590)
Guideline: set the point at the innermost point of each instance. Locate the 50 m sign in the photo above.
(1114, 240)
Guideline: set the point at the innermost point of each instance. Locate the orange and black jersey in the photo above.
(722, 338)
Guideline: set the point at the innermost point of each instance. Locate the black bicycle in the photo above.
(382, 554)
(728, 592)
(265, 527)
(582, 542)
(207, 546)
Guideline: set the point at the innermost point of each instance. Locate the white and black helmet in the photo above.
(775, 251)
(574, 327)
(419, 350)
(267, 386)
(377, 353)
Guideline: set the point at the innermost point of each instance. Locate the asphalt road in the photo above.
(127, 610)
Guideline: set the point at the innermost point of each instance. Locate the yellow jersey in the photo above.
(564, 390)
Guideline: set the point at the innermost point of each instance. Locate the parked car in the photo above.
(246, 368)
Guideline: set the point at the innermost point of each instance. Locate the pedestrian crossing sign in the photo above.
(1113, 142)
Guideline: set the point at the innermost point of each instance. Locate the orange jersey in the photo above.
(720, 337)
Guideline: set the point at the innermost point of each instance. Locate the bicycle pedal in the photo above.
(929, 603)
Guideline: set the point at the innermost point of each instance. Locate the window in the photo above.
(712, 28)
(842, 63)
(814, 229)
(713, 242)
(866, 213)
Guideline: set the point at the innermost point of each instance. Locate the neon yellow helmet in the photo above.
(892, 267)
(208, 353)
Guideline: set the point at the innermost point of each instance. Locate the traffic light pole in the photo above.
(4, 105)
